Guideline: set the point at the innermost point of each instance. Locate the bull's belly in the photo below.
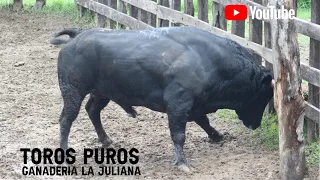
(152, 100)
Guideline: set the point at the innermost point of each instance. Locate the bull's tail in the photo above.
(72, 32)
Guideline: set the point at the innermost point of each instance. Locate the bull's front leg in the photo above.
(213, 134)
(179, 104)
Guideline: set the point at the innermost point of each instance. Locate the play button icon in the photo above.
(236, 12)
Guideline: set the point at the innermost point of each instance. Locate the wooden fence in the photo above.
(147, 14)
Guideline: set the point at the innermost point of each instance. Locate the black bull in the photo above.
(184, 72)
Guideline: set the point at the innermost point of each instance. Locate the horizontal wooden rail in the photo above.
(312, 112)
(113, 14)
(179, 17)
(310, 74)
(303, 27)
(308, 28)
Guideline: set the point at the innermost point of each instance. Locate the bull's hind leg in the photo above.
(94, 107)
(72, 102)
(204, 123)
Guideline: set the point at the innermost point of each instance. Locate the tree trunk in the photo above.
(17, 5)
(289, 102)
(39, 4)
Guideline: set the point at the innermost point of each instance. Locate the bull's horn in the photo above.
(272, 83)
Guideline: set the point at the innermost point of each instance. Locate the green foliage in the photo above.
(305, 95)
(312, 152)
(226, 114)
(267, 133)
(60, 7)
(304, 4)
(52, 7)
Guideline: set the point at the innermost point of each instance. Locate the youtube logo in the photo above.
(236, 12)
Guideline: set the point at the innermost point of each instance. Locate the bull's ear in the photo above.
(266, 80)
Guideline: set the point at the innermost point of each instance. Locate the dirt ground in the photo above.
(31, 104)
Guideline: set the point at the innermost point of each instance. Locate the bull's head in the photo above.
(251, 113)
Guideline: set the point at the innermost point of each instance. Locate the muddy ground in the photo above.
(31, 104)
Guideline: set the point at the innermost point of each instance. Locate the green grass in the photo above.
(60, 8)
(312, 152)
(55, 7)
(226, 114)
(267, 133)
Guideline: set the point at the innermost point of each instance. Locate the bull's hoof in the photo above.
(132, 113)
(184, 168)
(106, 143)
(115, 146)
(220, 139)
(217, 138)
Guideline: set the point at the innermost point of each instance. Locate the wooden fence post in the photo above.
(219, 19)
(162, 22)
(238, 28)
(17, 5)
(203, 10)
(100, 19)
(267, 43)
(142, 15)
(289, 101)
(122, 7)
(82, 11)
(314, 61)
(133, 11)
(189, 7)
(176, 5)
(255, 33)
(110, 23)
(152, 18)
